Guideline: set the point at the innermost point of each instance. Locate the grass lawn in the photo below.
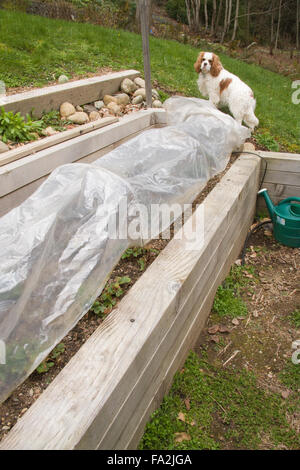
(36, 50)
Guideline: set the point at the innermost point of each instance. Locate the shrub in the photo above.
(176, 9)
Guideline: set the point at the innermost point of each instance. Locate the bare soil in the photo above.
(261, 342)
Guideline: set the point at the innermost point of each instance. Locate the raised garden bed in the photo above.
(128, 363)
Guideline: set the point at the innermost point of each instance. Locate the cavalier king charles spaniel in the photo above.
(225, 88)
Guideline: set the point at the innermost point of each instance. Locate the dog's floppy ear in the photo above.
(216, 66)
(197, 64)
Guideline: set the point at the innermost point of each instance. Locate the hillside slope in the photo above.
(35, 51)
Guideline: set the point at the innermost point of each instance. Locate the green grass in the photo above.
(290, 376)
(295, 318)
(228, 301)
(36, 50)
(227, 408)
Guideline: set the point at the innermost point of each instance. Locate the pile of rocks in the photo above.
(131, 97)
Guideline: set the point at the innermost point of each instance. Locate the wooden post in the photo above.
(144, 16)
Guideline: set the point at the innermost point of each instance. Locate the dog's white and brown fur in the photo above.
(225, 88)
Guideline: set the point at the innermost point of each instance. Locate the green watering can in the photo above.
(286, 219)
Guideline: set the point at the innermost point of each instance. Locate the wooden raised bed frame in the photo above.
(103, 397)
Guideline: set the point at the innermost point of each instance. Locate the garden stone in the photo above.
(79, 108)
(49, 131)
(109, 99)
(140, 82)
(66, 109)
(88, 108)
(98, 104)
(155, 94)
(114, 108)
(3, 147)
(94, 116)
(141, 92)
(128, 86)
(157, 104)
(79, 118)
(123, 99)
(137, 99)
(63, 79)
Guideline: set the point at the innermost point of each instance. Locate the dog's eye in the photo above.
(210, 61)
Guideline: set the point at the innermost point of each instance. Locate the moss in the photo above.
(226, 410)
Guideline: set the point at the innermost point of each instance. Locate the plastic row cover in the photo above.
(56, 249)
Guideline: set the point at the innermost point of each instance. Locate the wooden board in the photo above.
(282, 178)
(22, 172)
(104, 395)
(33, 147)
(77, 92)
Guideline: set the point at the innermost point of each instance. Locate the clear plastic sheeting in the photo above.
(57, 250)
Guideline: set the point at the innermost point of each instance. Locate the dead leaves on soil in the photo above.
(182, 436)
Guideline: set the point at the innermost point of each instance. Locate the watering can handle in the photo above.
(289, 199)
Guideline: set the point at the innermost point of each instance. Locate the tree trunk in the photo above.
(278, 25)
(205, 15)
(235, 20)
(229, 16)
(272, 28)
(297, 24)
(248, 21)
(218, 16)
(213, 18)
(225, 22)
(193, 13)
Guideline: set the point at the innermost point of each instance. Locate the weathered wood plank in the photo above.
(28, 169)
(128, 419)
(135, 427)
(78, 92)
(282, 161)
(33, 147)
(115, 356)
(282, 177)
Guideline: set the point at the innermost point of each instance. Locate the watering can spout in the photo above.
(269, 203)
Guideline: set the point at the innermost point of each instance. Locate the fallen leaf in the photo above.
(215, 339)
(213, 329)
(192, 423)
(285, 394)
(182, 436)
(235, 321)
(224, 329)
(268, 233)
(181, 416)
(187, 404)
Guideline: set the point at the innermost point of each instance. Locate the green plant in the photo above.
(176, 9)
(136, 251)
(267, 140)
(227, 303)
(108, 299)
(295, 318)
(49, 362)
(139, 253)
(290, 376)
(53, 119)
(218, 408)
(15, 128)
